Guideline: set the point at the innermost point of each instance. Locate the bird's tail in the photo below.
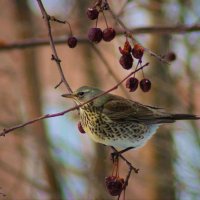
(170, 118)
(184, 117)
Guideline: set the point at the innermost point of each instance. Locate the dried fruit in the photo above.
(95, 35)
(72, 41)
(171, 56)
(145, 85)
(138, 51)
(126, 61)
(127, 48)
(80, 128)
(108, 34)
(92, 13)
(132, 84)
(114, 185)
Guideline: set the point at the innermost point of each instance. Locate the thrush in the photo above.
(119, 122)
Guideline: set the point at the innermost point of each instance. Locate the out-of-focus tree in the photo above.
(50, 160)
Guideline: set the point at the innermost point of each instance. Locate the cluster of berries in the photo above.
(96, 34)
(114, 185)
(126, 61)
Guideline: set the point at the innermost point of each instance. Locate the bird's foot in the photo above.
(114, 156)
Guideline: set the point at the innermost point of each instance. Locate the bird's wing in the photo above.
(120, 109)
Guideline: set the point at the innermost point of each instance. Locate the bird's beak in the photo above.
(70, 95)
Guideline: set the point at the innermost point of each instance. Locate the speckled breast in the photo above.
(103, 130)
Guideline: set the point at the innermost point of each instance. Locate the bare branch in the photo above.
(37, 42)
(127, 162)
(7, 130)
(103, 59)
(47, 19)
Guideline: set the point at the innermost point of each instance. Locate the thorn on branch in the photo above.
(4, 132)
(52, 18)
(58, 84)
(56, 59)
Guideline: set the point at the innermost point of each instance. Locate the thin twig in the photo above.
(130, 35)
(47, 19)
(127, 162)
(37, 42)
(7, 130)
(109, 68)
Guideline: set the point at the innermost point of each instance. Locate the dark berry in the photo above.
(80, 128)
(171, 56)
(92, 13)
(132, 84)
(126, 61)
(72, 42)
(145, 85)
(95, 35)
(138, 51)
(127, 48)
(108, 34)
(114, 185)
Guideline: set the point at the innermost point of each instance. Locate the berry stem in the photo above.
(105, 19)
(97, 21)
(70, 29)
(136, 69)
(142, 70)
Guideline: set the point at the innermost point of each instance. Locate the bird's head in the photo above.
(83, 94)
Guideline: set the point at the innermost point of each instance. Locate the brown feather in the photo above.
(120, 109)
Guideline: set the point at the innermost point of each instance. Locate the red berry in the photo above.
(114, 185)
(145, 85)
(138, 51)
(126, 61)
(132, 84)
(171, 56)
(92, 13)
(80, 128)
(72, 42)
(95, 35)
(108, 34)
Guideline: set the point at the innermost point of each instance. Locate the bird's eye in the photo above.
(80, 94)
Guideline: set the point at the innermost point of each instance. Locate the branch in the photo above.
(37, 42)
(109, 68)
(55, 57)
(7, 130)
(127, 162)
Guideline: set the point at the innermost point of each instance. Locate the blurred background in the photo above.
(51, 159)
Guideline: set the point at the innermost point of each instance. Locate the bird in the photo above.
(122, 123)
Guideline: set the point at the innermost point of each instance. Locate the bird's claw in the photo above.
(114, 156)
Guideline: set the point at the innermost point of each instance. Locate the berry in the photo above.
(80, 128)
(171, 56)
(108, 34)
(132, 84)
(72, 42)
(138, 51)
(114, 185)
(126, 61)
(92, 13)
(145, 85)
(127, 48)
(95, 35)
